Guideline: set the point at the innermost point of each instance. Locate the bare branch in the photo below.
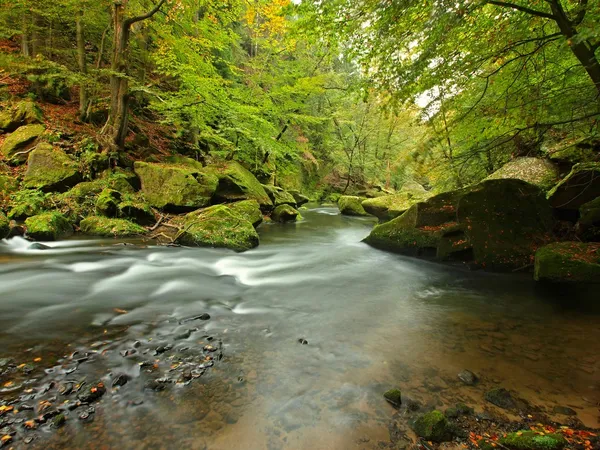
(524, 9)
(148, 15)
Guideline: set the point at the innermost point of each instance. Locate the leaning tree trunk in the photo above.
(81, 59)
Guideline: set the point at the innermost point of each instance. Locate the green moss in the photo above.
(394, 396)
(50, 169)
(249, 210)
(580, 186)
(136, 210)
(568, 262)
(102, 226)
(460, 409)
(20, 139)
(531, 440)
(539, 172)
(351, 206)
(278, 196)
(107, 203)
(218, 226)
(299, 198)
(8, 185)
(28, 202)
(238, 183)
(589, 213)
(284, 213)
(25, 112)
(176, 188)
(389, 207)
(433, 426)
(49, 226)
(4, 225)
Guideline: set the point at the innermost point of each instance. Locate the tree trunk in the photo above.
(25, 50)
(81, 59)
(36, 35)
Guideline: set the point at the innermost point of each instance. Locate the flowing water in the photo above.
(373, 320)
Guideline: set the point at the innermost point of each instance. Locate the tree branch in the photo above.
(524, 9)
(148, 15)
(581, 14)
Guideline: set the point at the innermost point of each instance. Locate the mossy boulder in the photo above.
(49, 226)
(579, 187)
(103, 226)
(284, 213)
(218, 226)
(107, 203)
(249, 210)
(4, 225)
(433, 426)
(124, 181)
(532, 440)
(350, 205)
(537, 171)
(176, 187)
(394, 396)
(299, 198)
(235, 183)
(136, 210)
(278, 196)
(25, 112)
(20, 140)
(389, 207)
(588, 226)
(568, 262)
(497, 224)
(50, 169)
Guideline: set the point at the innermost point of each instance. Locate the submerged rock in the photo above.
(501, 398)
(284, 213)
(460, 409)
(50, 169)
(568, 262)
(176, 187)
(351, 206)
(433, 426)
(49, 226)
(103, 226)
(394, 396)
(218, 226)
(468, 377)
(564, 410)
(21, 140)
(537, 171)
(238, 183)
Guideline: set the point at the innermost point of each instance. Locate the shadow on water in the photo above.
(371, 320)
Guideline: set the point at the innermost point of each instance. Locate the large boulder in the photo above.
(568, 262)
(218, 226)
(134, 209)
(249, 210)
(50, 169)
(284, 213)
(20, 140)
(103, 226)
(433, 426)
(389, 207)
(588, 226)
(497, 224)
(237, 183)
(300, 199)
(4, 226)
(49, 226)
(278, 196)
(176, 187)
(580, 186)
(25, 112)
(540, 172)
(350, 205)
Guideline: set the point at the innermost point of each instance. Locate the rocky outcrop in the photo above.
(49, 226)
(279, 196)
(132, 208)
(50, 169)
(299, 198)
(351, 206)
(580, 186)
(218, 226)
(284, 213)
(176, 187)
(235, 183)
(539, 172)
(25, 112)
(497, 224)
(20, 140)
(103, 226)
(4, 226)
(249, 210)
(568, 262)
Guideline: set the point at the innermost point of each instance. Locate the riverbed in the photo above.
(314, 325)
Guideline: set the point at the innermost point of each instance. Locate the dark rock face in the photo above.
(580, 186)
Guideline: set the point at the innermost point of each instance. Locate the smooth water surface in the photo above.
(373, 320)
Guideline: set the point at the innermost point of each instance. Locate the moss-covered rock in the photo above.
(218, 226)
(176, 187)
(103, 226)
(21, 139)
(497, 224)
(537, 171)
(531, 440)
(389, 207)
(25, 112)
(136, 210)
(433, 426)
(4, 225)
(350, 205)
(238, 183)
(50, 169)
(278, 196)
(49, 226)
(107, 203)
(300, 198)
(394, 396)
(284, 213)
(580, 186)
(249, 210)
(568, 262)
(588, 226)
(124, 181)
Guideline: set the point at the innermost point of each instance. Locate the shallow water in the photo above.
(373, 320)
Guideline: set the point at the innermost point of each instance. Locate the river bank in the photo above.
(372, 321)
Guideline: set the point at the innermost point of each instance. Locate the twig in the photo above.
(157, 224)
